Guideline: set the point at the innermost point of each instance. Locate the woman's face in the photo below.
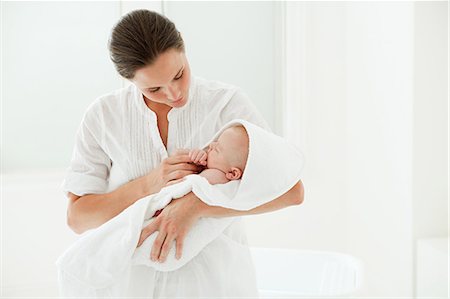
(167, 80)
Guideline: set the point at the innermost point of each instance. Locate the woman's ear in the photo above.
(234, 174)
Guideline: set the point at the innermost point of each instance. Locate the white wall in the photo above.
(379, 100)
(55, 63)
(231, 42)
(366, 89)
(315, 121)
(430, 149)
(430, 137)
(34, 233)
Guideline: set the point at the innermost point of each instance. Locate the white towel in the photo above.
(101, 257)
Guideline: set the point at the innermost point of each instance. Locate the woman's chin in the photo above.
(178, 104)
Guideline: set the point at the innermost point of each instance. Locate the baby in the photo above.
(224, 160)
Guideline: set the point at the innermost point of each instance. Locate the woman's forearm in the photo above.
(294, 196)
(92, 210)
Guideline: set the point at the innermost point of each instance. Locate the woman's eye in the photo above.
(156, 89)
(179, 77)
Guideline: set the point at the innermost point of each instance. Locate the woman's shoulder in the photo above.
(111, 103)
(208, 87)
(214, 92)
(208, 84)
(230, 102)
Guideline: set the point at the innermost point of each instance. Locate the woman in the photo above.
(126, 149)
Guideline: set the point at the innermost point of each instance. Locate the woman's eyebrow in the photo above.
(176, 75)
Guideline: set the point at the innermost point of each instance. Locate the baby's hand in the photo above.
(198, 156)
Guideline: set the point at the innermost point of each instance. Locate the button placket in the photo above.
(171, 118)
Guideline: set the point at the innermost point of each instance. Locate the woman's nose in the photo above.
(173, 93)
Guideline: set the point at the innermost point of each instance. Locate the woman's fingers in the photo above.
(181, 151)
(173, 182)
(179, 171)
(183, 158)
(165, 248)
(157, 244)
(147, 231)
(174, 222)
(179, 174)
(160, 252)
(179, 242)
(184, 166)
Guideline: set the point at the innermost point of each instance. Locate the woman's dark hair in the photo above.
(138, 38)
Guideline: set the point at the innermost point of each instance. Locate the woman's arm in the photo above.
(92, 210)
(181, 214)
(294, 196)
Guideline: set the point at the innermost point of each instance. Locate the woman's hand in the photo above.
(172, 224)
(172, 168)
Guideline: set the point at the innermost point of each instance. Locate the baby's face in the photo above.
(224, 151)
(216, 158)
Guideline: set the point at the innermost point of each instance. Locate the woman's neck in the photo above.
(158, 108)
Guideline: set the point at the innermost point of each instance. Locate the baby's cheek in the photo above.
(209, 162)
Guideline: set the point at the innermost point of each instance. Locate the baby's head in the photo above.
(229, 153)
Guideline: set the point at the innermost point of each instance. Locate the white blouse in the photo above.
(118, 139)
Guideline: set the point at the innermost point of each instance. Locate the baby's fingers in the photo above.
(203, 157)
(199, 156)
(192, 154)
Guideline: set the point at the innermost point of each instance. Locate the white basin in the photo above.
(293, 273)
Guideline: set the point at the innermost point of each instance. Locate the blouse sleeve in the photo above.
(241, 107)
(90, 165)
